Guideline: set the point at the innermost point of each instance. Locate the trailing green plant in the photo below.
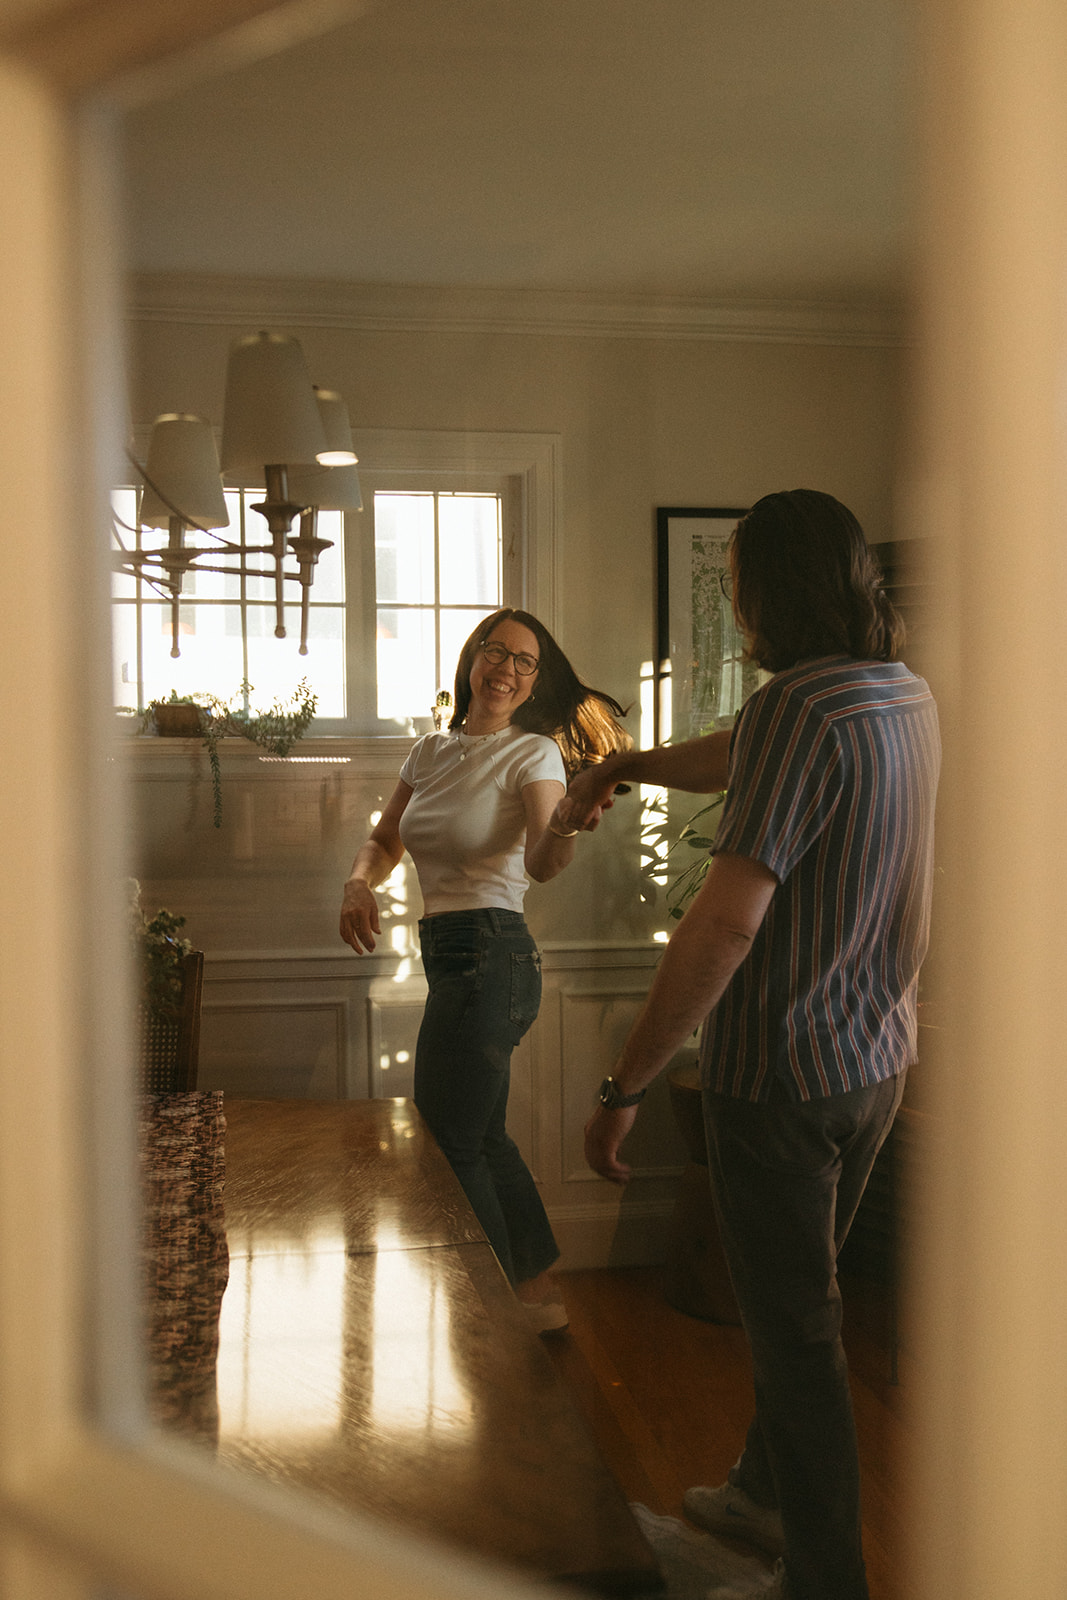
(695, 835)
(275, 730)
(159, 953)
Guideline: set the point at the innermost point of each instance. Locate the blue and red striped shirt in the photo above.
(833, 775)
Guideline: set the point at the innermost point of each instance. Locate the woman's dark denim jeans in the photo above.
(484, 976)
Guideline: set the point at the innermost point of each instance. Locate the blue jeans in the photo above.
(787, 1179)
(484, 976)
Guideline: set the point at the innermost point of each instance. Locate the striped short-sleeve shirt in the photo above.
(833, 775)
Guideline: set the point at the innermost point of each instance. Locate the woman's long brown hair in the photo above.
(584, 722)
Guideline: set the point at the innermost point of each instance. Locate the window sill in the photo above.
(146, 754)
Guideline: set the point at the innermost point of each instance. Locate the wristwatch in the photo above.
(613, 1099)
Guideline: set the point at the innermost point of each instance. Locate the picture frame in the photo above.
(700, 677)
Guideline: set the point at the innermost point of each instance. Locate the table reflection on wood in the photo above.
(371, 1349)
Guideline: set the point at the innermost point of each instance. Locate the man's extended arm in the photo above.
(698, 765)
(706, 949)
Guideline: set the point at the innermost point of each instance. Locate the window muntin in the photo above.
(438, 560)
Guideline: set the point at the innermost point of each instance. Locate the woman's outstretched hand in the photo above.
(590, 794)
(359, 918)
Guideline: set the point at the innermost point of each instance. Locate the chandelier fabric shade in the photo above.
(329, 487)
(270, 417)
(182, 476)
(337, 428)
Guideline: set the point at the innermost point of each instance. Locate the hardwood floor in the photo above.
(335, 1320)
(668, 1397)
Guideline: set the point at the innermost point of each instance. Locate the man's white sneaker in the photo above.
(773, 1588)
(724, 1509)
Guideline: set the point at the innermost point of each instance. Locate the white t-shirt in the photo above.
(465, 825)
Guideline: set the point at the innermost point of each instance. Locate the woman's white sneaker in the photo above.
(724, 1509)
(774, 1587)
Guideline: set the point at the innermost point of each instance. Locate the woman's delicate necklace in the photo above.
(471, 744)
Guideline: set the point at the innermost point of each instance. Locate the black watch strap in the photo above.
(613, 1099)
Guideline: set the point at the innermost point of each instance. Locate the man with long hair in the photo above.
(800, 956)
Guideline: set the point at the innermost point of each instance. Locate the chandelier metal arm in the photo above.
(279, 511)
(307, 547)
(133, 564)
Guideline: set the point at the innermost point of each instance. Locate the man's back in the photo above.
(832, 780)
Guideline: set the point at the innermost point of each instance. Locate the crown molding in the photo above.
(402, 308)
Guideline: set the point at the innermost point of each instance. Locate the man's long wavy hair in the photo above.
(582, 721)
(806, 584)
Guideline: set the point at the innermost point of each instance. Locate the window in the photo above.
(437, 562)
(439, 543)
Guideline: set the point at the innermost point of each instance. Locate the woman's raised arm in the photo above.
(699, 766)
(549, 842)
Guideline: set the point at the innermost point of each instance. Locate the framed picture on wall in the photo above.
(701, 679)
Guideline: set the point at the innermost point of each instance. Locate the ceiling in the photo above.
(697, 148)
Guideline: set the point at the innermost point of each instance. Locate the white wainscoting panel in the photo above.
(393, 1018)
(594, 1021)
(285, 1049)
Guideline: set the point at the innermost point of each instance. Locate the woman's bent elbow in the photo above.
(542, 873)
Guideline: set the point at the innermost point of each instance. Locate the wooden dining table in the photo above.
(369, 1348)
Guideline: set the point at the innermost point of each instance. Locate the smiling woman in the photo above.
(477, 807)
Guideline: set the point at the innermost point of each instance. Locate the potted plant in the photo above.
(162, 951)
(176, 718)
(168, 974)
(210, 719)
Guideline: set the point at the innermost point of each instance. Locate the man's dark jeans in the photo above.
(787, 1179)
(484, 974)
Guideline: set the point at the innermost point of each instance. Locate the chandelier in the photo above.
(279, 431)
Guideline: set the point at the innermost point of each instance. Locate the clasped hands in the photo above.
(590, 793)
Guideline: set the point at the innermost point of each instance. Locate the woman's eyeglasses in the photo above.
(726, 584)
(497, 654)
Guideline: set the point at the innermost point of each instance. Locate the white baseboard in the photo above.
(631, 1235)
